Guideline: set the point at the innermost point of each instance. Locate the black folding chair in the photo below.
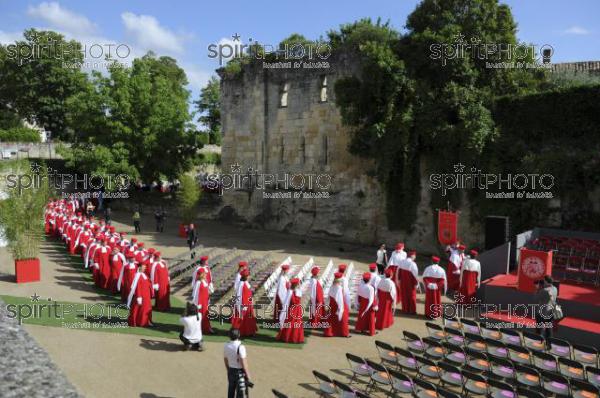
(454, 336)
(592, 375)
(585, 354)
(496, 348)
(386, 353)
(559, 348)
(434, 349)
(344, 390)
(470, 326)
(413, 343)
(326, 386)
(406, 359)
(528, 377)
(455, 354)
(443, 393)
(545, 362)
(379, 376)
(556, 384)
(401, 383)
(571, 369)
(534, 341)
(583, 389)
(518, 354)
(427, 368)
(435, 331)
(527, 393)
(424, 389)
(510, 336)
(475, 384)
(502, 368)
(500, 389)
(477, 362)
(358, 366)
(450, 374)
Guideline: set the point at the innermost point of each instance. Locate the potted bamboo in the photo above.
(22, 221)
(188, 196)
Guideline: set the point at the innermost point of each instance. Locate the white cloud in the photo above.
(149, 34)
(61, 18)
(197, 77)
(576, 30)
(10, 37)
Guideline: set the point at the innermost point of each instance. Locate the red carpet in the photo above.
(568, 290)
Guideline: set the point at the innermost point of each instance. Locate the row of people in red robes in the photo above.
(117, 264)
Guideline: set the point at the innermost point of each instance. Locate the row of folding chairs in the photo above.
(334, 388)
(504, 355)
(478, 374)
(472, 334)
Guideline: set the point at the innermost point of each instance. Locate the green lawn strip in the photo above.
(95, 316)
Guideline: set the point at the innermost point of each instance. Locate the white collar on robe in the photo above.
(138, 275)
(365, 290)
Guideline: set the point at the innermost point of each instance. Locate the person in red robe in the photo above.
(243, 314)
(161, 282)
(139, 300)
(203, 267)
(455, 262)
(386, 301)
(283, 284)
(434, 279)
(409, 280)
(290, 318)
(367, 306)
(339, 310)
(201, 297)
(238, 276)
(126, 277)
(317, 301)
(101, 270)
(470, 278)
(117, 262)
(396, 259)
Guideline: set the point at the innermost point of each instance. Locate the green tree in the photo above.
(139, 115)
(188, 196)
(209, 106)
(37, 77)
(406, 102)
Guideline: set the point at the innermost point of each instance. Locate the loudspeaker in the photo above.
(496, 231)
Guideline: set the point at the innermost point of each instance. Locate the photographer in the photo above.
(546, 304)
(191, 336)
(238, 374)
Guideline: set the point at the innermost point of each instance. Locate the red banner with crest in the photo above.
(447, 227)
(533, 266)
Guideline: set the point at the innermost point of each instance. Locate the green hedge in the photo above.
(555, 132)
(19, 134)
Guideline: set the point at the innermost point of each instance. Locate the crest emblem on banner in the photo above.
(447, 227)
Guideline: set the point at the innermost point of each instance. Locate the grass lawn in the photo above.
(110, 315)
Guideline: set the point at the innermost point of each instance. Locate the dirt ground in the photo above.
(104, 364)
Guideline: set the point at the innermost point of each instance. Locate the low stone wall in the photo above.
(26, 370)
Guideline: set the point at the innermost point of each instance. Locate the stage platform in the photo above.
(580, 303)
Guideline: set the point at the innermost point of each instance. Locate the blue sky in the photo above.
(184, 29)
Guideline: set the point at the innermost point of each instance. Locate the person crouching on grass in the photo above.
(191, 336)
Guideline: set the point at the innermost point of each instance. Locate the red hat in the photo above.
(474, 253)
(372, 266)
(462, 247)
(111, 228)
(315, 271)
(157, 254)
(435, 259)
(342, 268)
(245, 272)
(388, 272)
(129, 255)
(141, 244)
(204, 258)
(285, 267)
(242, 264)
(133, 240)
(399, 245)
(412, 253)
(367, 276)
(295, 281)
(151, 250)
(122, 233)
(338, 275)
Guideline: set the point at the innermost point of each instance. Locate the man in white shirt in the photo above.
(236, 363)
(192, 328)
